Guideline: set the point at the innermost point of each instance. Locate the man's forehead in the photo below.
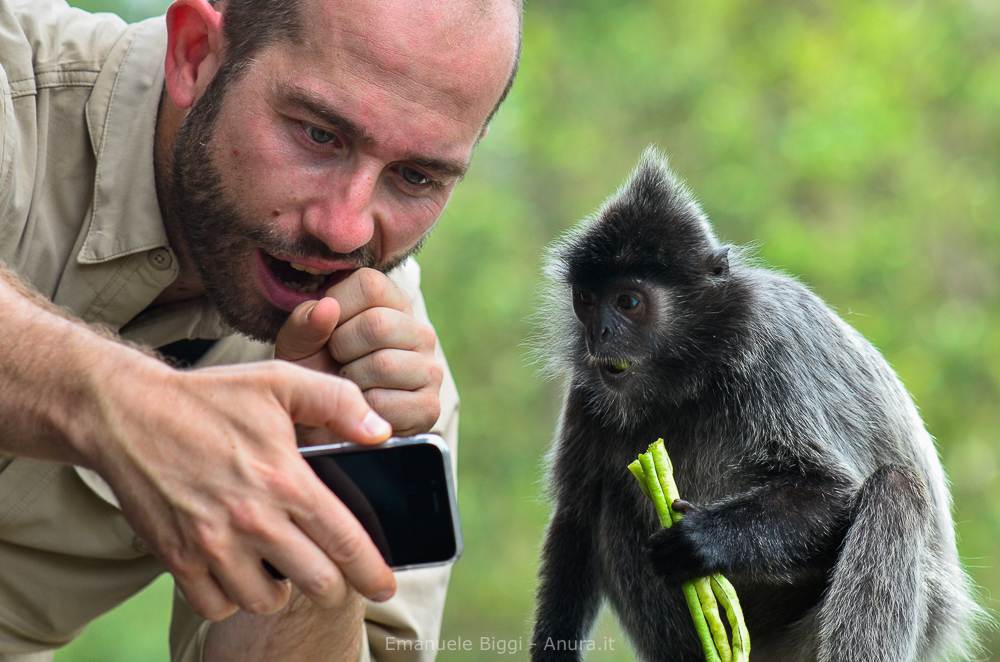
(462, 49)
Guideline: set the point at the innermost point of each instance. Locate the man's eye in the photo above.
(414, 177)
(320, 136)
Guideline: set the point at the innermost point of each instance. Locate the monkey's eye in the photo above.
(627, 301)
(586, 298)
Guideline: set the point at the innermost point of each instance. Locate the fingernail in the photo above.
(309, 313)
(375, 425)
(384, 595)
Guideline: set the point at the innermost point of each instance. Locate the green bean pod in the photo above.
(654, 472)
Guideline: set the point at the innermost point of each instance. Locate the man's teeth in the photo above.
(310, 270)
(319, 277)
(300, 287)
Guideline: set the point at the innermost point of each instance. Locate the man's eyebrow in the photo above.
(318, 107)
(315, 105)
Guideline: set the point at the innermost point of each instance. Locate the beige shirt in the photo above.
(79, 220)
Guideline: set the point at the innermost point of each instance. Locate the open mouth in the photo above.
(288, 283)
(297, 276)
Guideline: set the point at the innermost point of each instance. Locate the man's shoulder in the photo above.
(49, 41)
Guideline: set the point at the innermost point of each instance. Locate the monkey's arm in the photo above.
(568, 596)
(771, 533)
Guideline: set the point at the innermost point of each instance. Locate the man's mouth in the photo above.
(287, 283)
(297, 276)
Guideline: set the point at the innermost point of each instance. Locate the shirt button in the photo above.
(159, 259)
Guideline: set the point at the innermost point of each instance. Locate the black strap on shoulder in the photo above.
(186, 353)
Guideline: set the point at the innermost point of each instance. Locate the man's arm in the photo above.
(203, 462)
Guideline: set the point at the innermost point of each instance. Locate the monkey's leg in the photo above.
(874, 609)
(568, 596)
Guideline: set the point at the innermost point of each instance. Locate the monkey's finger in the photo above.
(683, 507)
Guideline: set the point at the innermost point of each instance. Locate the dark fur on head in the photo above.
(813, 484)
(651, 229)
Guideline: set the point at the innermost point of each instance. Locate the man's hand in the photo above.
(300, 631)
(207, 471)
(365, 330)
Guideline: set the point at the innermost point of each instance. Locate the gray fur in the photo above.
(814, 486)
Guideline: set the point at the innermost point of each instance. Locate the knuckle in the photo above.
(435, 374)
(284, 486)
(261, 605)
(374, 284)
(210, 542)
(376, 325)
(377, 400)
(179, 563)
(347, 548)
(426, 336)
(328, 583)
(248, 519)
(432, 409)
(384, 364)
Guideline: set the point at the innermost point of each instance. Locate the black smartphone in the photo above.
(402, 492)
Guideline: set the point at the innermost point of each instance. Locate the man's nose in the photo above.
(342, 214)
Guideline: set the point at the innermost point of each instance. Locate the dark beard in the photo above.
(220, 238)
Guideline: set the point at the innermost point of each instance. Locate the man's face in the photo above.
(333, 154)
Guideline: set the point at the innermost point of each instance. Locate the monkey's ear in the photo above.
(718, 262)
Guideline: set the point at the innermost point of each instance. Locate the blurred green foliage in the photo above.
(856, 144)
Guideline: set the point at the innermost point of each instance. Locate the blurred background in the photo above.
(856, 143)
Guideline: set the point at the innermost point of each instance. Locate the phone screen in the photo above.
(400, 495)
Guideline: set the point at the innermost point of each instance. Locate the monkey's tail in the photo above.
(894, 595)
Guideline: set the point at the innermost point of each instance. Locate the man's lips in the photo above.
(288, 283)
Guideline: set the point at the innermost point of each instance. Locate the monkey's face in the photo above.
(618, 323)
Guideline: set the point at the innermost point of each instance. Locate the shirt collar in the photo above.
(121, 118)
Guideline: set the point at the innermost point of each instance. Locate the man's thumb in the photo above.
(307, 330)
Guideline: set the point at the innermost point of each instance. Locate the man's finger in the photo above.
(380, 328)
(394, 369)
(342, 538)
(204, 595)
(246, 581)
(307, 330)
(313, 398)
(411, 412)
(319, 574)
(367, 288)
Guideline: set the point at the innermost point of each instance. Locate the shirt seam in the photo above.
(95, 209)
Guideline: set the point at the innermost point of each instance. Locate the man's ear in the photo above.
(194, 50)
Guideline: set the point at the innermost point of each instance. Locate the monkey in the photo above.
(807, 476)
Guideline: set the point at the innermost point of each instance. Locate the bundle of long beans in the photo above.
(655, 474)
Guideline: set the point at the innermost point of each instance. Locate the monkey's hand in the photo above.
(683, 551)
